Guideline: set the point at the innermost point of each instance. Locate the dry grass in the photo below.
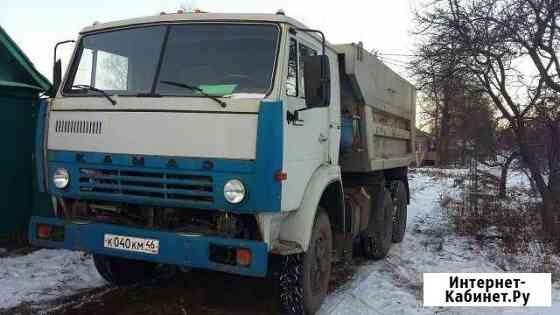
(509, 228)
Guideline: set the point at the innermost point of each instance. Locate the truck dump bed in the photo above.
(378, 113)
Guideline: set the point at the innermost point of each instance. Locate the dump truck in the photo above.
(241, 143)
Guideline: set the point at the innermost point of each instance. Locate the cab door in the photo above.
(306, 144)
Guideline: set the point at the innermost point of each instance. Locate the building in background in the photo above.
(426, 153)
(20, 87)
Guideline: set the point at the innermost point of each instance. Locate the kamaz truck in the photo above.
(241, 143)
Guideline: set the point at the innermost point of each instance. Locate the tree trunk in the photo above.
(503, 178)
(443, 143)
(551, 204)
(548, 209)
(554, 175)
(554, 159)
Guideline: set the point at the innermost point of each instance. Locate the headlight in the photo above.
(234, 191)
(61, 178)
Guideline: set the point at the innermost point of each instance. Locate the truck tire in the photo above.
(120, 271)
(304, 278)
(376, 239)
(399, 217)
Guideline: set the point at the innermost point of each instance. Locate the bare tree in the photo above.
(453, 105)
(478, 35)
(547, 135)
(533, 24)
(506, 153)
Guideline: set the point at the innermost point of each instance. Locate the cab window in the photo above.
(292, 76)
(304, 51)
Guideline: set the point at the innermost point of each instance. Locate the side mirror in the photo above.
(317, 81)
(57, 77)
(57, 68)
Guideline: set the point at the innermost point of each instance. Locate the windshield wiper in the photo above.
(91, 88)
(195, 88)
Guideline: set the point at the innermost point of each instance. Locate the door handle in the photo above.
(323, 138)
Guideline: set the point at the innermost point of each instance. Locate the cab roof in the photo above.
(186, 17)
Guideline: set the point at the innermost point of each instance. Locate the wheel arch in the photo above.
(332, 201)
(297, 226)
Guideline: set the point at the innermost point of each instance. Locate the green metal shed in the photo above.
(20, 86)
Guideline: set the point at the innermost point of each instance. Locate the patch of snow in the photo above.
(493, 170)
(394, 285)
(45, 274)
(518, 179)
(3, 250)
(448, 171)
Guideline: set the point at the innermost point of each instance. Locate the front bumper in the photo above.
(174, 248)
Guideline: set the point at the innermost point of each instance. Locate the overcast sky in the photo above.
(36, 25)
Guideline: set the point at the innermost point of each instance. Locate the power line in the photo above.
(396, 61)
(400, 66)
(393, 59)
(400, 55)
(395, 64)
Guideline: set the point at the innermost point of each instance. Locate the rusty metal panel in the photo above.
(383, 106)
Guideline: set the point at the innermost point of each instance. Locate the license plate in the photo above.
(131, 244)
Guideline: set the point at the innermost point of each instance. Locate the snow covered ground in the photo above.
(389, 286)
(394, 284)
(45, 274)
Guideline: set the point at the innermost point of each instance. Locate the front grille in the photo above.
(91, 127)
(166, 186)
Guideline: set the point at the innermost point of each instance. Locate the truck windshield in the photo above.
(218, 59)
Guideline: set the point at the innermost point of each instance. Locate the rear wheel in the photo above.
(376, 239)
(122, 271)
(304, 279)
(400, 213)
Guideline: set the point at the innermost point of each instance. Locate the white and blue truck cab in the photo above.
(243, 143)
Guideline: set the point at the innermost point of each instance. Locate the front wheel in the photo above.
(120, 271)
(304, 278)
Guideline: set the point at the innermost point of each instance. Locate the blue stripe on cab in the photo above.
(270, 153)
(156, 162)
